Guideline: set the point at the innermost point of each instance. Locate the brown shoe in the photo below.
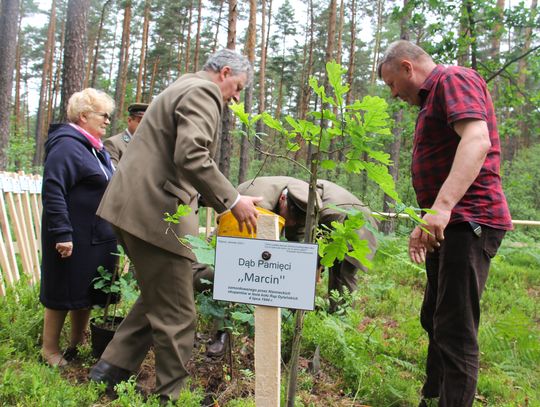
(218, 345)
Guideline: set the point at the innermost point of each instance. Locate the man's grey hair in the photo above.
(239, 64)
(398, 50)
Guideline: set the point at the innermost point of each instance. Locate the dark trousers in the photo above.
(456, 277)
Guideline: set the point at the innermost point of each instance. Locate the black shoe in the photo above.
(71, 354)
(217, 347)
(429, 402)
(104, 372)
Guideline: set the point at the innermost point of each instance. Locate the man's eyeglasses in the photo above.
(106, 116)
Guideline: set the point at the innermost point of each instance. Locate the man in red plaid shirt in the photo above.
(455, 172)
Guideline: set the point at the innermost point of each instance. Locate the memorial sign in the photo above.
(265, 272)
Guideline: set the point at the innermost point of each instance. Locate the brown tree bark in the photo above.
(17, 116)
(198, 39)
(248, 98)
(144, 47)
(8, 44)
(121, 79)
(218, 24)
(226, 139)
(188, 41)
(55, 83)
(389, 225)
(153, 79)
(377, 45)
(331, 39)
(46, 79)
(525, 128)
(74, 51)
(329, 55)
(89, 59)
(95, 62)
(260, 128)
(305, 89)
(352, 53)
(464, 51)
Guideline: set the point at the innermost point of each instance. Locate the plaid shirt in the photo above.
(448, 95)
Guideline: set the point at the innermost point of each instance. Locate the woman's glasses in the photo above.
(106, 116)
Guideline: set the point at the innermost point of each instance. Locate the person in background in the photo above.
(75, 241)
(455, 173)
(116, 145)
(288, 197)
(169, 162)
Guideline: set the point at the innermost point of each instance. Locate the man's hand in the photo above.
(64, 248)
(417, 251)
(421, 242)
(245, 213)
(436, 223)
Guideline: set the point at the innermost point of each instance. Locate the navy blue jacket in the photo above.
(75, 177)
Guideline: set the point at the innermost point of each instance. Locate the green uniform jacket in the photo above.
(169, 161)
(116, 146)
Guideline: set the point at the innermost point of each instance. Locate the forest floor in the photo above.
(228, 377)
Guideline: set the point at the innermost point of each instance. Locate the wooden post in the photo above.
(267, 334)
(12, 271)
(28, 221)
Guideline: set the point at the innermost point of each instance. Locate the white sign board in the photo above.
(265, 272)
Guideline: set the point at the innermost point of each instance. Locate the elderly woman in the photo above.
(74, 240)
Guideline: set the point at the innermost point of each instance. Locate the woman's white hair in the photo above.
(88, 100)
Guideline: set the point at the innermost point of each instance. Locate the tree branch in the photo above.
(494, 75)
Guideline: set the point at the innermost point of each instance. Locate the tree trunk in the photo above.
(389, 225)
(526, 108)
(260, 128)
(98, 44)
(352, 52)
(464, 49)
(74, 51)
(89, 59)
(8, 44)
(18, 74)
(377, 45)
(226, 139)
(121, 78)
(55, 83)
(305, 89)
(250, 51)
(144, 46)
(329, 56)
(153, 79)
(198, 39)
(218, 23)
(46, 79)
(188, 41)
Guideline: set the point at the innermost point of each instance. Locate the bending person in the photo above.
(169, 162)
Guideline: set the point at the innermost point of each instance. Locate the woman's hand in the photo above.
(64, 248)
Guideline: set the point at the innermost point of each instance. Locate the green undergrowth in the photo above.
(379, 347)
(371, 351)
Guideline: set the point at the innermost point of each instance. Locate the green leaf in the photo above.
(181, 211)
(328, 164)
(203, 250)
(379, 174)
(238, 110)
(335, 79)
(272, 123)
(243, 317)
